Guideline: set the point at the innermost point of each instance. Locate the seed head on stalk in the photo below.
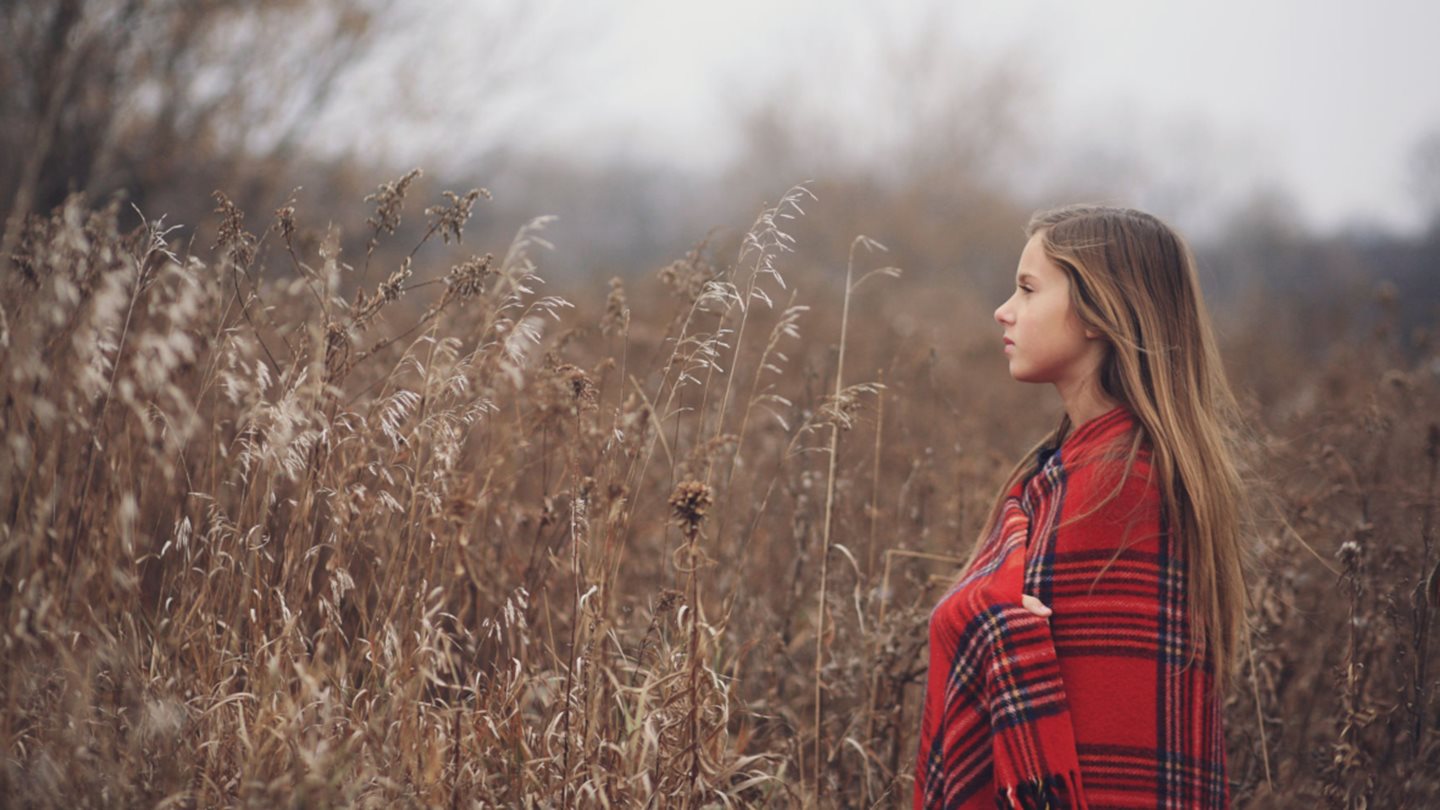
(691, 500)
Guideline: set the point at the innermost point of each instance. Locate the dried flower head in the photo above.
(392, 288)
(841, 409)
(232, 237)
(285, 219)
(578, 385)
(337, 349)
(688, 277)
(1349, 554)
(691, 500)
(450, 219)
(617, 310)
(467, 279)
(389, 198)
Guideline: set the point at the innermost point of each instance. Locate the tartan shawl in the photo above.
(1093, 706)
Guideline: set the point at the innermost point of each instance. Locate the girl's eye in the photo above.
(1024, 288)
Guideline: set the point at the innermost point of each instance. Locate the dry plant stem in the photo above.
(576, 606)
(891, 553)
(636, 470)
(744, 304)
(1348, 748)
(735, 353)
(245, 310)
(875, 472)
(764, 225)
(614, 548)
(1421, 597)
(870, 569)
(1259, 712)
(759, 510)
(692, 533)
(660, 417)
(825, 534)
(287, 234)
(455, 762)
(409, 538)
(760, 368)
(889, 556)
(671, 480)
(97, 421)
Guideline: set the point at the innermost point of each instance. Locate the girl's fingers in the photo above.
(1034, 605)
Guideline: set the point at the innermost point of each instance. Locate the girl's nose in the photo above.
(1000, 315)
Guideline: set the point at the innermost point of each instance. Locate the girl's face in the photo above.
(1044, 338)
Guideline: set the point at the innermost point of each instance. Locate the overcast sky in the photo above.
(1326, 98)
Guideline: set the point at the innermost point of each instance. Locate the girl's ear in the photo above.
(1092, 334)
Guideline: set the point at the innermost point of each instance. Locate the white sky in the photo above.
(1325, 98)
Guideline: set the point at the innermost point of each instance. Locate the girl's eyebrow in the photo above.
(1024, 277)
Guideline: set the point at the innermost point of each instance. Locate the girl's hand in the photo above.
(1035, 606)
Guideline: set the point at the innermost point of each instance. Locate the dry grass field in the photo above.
(463, 540)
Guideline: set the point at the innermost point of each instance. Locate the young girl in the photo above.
(1080, 659)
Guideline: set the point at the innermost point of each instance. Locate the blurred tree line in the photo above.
(166, 101)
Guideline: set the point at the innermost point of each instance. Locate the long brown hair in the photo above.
(1132, 278)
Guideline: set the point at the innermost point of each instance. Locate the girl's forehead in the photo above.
(1036, 264)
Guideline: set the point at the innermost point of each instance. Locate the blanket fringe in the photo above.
(1059, 791)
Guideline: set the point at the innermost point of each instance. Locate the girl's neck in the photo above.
(1085, 401)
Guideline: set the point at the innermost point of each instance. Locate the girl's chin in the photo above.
(1021, 375)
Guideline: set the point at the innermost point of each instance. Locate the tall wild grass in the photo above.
(282, 526)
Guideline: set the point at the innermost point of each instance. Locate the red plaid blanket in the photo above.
(1093, 706)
